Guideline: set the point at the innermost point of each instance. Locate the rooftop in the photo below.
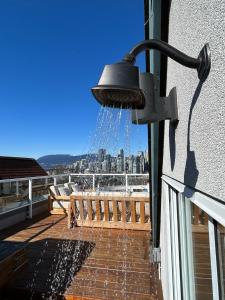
(19, 167)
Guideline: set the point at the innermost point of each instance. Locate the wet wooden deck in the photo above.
(81, 263)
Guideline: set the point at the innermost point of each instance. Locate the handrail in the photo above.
(31, 186)
(70, 174)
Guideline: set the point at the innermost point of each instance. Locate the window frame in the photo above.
(180, 236)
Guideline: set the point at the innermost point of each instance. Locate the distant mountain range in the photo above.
(51, 161)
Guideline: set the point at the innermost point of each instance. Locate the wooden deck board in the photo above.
(82, 263)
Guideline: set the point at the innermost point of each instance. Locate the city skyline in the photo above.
(104, 162)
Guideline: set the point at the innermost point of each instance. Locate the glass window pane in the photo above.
(201, 254)
(221, 249)
(13, 195)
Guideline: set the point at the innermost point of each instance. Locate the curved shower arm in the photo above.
(202, 63)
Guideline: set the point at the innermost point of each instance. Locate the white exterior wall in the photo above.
(194, 152)
(202, 165)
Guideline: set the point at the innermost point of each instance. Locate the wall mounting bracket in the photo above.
(156, 108)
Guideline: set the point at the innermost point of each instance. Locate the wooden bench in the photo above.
(59, 199)
(58, 205)
(124, 212)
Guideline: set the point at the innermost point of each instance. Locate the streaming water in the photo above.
(107, 136)
(112, 132)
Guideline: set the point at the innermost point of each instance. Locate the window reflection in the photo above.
(201, 254)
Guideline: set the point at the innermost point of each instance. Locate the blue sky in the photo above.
(52, 52)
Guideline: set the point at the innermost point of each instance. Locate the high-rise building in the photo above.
(142, 161)
(108, 159)
(130, 163)
(113, 166)
(91, 166)
(121, 152)
(101, 154)
(106, 166)
(136, 165)
(120, 161)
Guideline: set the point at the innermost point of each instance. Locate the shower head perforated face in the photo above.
(119, 97)
(119, 87)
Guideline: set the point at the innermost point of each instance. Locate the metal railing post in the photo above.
(93, 182)
(17, 188)
(70, 178)
(126, 182)
(30, 200)
(55, 181)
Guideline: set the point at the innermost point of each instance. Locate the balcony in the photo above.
(82, 253)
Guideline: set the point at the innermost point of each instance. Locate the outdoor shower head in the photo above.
(119, 87)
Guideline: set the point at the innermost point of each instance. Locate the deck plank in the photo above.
(82, 263)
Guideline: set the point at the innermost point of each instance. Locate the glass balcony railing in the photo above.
(24, 192)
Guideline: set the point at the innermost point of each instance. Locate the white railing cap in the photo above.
(70, 174)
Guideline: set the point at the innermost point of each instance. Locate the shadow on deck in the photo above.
(81, 263)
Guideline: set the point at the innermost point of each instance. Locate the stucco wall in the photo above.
(194, 153)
